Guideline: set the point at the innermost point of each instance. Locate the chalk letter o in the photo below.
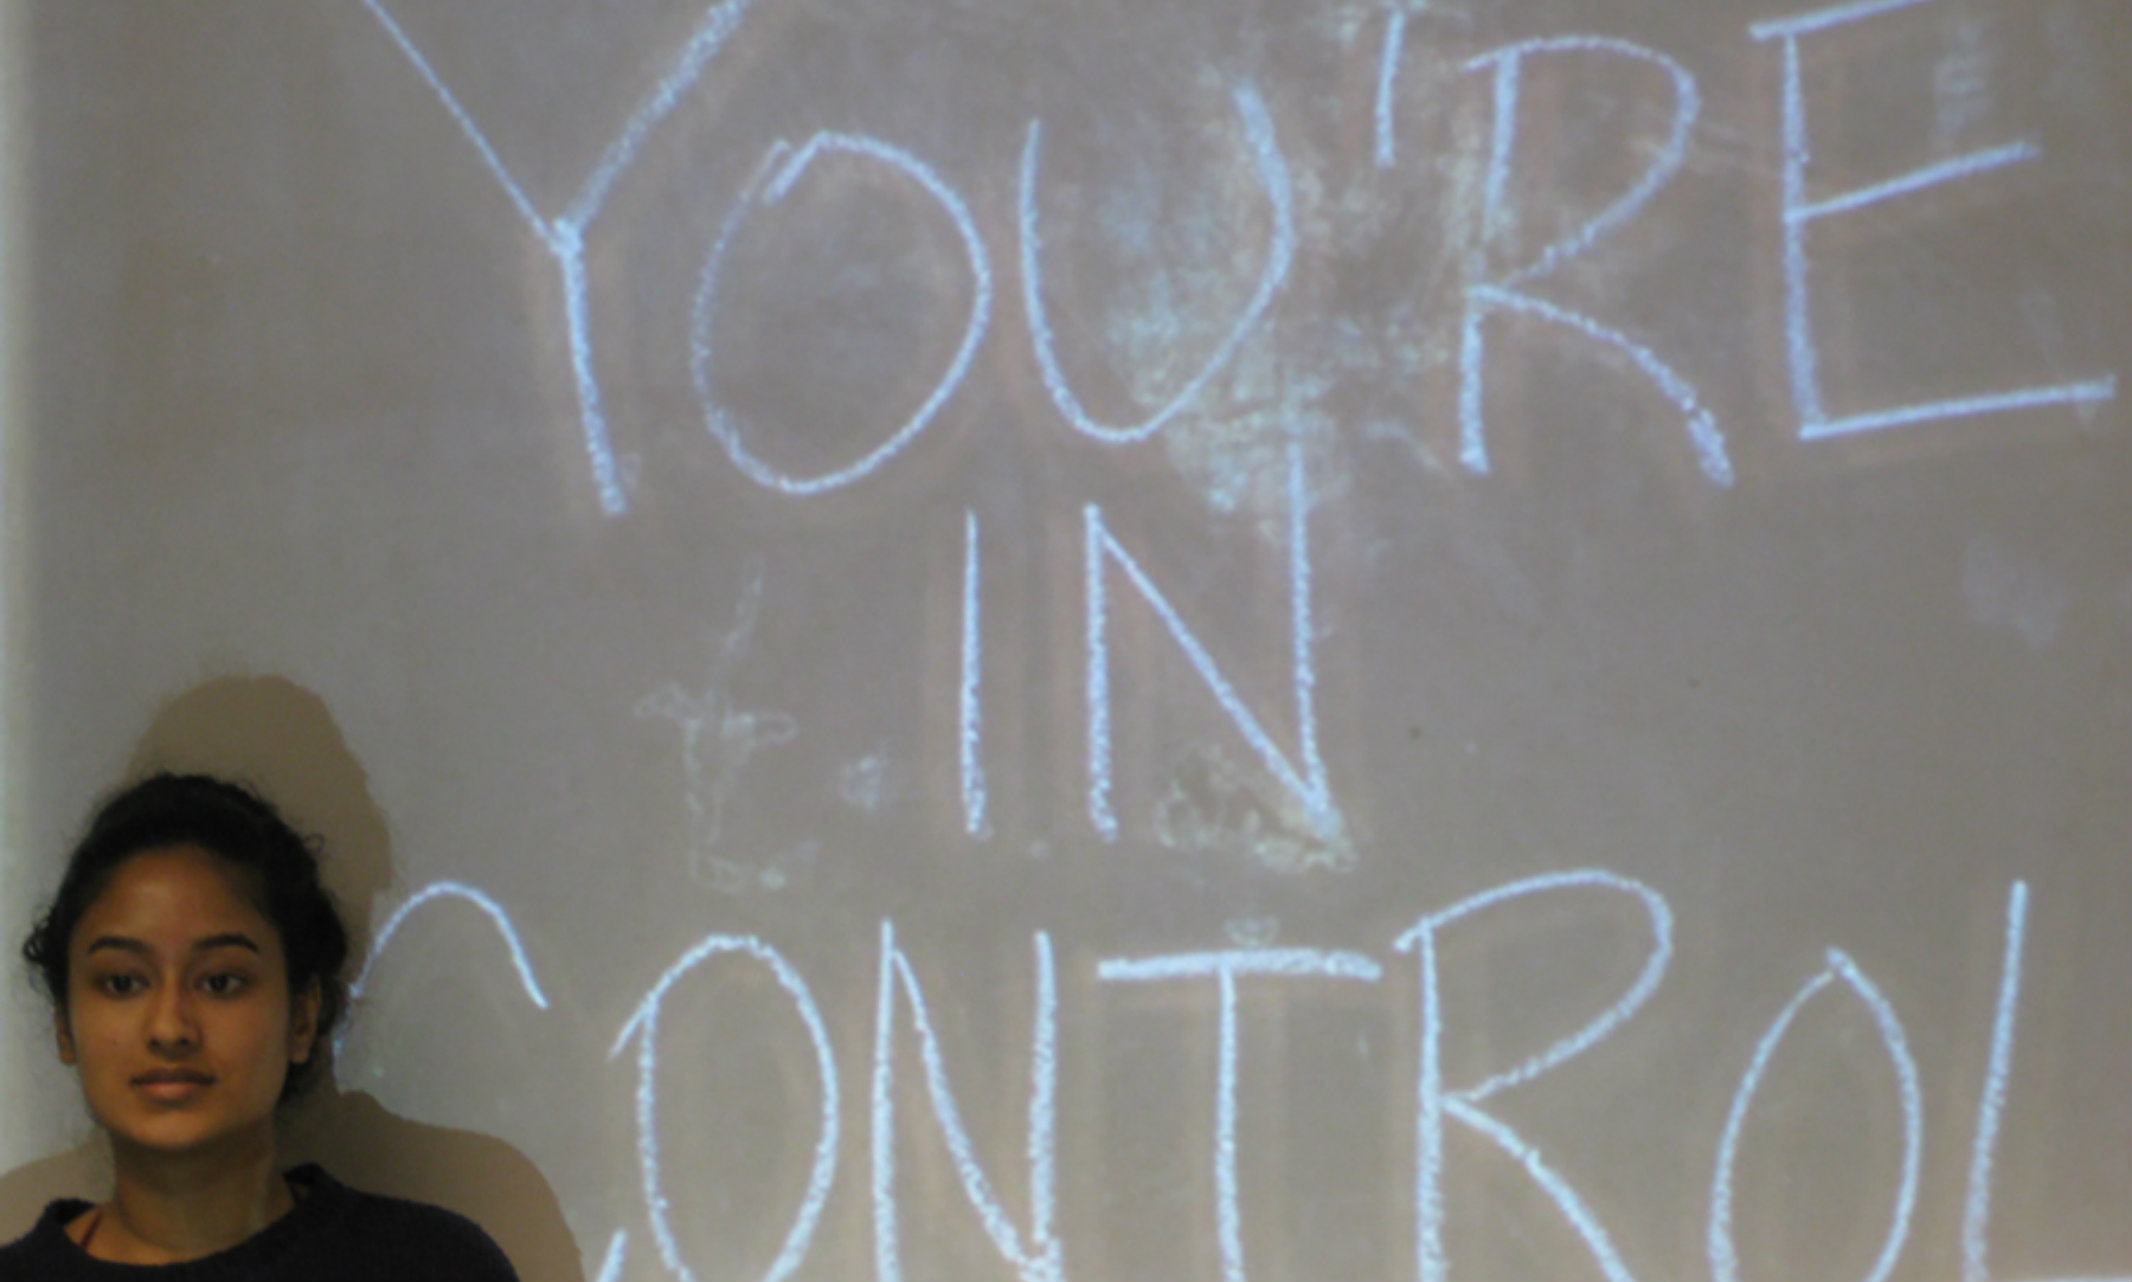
(643, 1025)
(1724, 1255)
(782, 168)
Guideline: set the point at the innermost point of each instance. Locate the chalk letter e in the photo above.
(1799, 212)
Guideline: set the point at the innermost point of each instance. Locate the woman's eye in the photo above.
(224, 985)
(119, 985)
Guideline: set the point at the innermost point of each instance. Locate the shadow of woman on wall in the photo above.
(280, 738)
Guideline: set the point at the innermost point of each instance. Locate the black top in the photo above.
(333, 1234)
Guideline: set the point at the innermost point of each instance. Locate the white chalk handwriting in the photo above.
(1035, 1247)
(1490, 290)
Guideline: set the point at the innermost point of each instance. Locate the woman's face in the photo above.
(178, 1012)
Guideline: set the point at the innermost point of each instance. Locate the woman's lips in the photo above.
(173, 1087)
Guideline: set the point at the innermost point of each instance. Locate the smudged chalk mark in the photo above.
(718, 740)
(2006, 589)
(1212, 803)
(864, 784)
(1961, 82)
(1280, 254)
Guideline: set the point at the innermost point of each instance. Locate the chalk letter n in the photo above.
(1036, 1258)
(1308, 784)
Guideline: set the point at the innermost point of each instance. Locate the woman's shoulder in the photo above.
(396, 1237)
(335, 1233)
(37, 1253)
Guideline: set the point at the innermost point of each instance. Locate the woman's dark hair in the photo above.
(238, 825)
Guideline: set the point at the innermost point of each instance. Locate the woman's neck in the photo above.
(166, 1208)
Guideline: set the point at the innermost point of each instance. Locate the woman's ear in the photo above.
(64, 1035)
(303, 1023)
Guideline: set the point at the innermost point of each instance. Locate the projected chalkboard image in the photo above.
(1383, 639)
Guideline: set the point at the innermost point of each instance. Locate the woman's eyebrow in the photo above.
(119, 943)
(126, 944)
(230, 940)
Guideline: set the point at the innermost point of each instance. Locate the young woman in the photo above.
(193, 962)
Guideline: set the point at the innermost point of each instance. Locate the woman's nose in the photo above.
(171, 1023)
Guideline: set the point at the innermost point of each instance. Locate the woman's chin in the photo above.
(176, 1134)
